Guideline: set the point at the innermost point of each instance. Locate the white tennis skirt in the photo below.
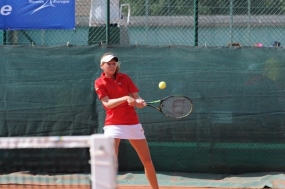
(124, 131)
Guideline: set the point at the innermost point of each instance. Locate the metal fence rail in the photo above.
(165, 22)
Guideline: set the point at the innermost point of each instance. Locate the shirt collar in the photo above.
(104, 75)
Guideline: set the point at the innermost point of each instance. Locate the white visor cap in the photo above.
(108, 58)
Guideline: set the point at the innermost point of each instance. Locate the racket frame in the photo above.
(159, 108)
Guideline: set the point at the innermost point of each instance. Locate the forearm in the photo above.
(111, 103)
(136, 96)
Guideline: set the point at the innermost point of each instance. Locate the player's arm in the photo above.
(140, 103)
(111, 103)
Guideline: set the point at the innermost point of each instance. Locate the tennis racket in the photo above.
(174, 106)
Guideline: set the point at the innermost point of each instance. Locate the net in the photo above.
(75, 162)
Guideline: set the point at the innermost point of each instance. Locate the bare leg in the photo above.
(117, 143)
(116, 148)
(142, 150)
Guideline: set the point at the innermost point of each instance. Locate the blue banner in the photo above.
(37, 14)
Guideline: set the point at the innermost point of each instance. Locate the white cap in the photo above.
(108, 58)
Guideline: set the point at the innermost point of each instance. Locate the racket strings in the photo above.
(176, 107)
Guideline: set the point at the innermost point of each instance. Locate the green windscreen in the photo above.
(237, 123)
(1, 37)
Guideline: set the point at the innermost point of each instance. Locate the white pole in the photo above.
(103, 162)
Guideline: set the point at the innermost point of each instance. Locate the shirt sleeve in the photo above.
(99, 89)
(132, 87)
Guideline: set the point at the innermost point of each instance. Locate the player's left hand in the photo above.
(140, 103)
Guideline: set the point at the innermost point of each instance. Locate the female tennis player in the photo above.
(119, 96)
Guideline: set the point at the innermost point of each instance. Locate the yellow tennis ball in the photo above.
(162, 85)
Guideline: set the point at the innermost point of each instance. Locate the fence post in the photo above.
(231, 23)
(196, 15)
(108, 22)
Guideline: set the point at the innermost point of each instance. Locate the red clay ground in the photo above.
(18, 186)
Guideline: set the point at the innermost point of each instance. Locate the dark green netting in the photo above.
(238, 94)
(47, 91)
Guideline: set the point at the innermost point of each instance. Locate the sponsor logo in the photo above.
(47, 3)
(5, 10)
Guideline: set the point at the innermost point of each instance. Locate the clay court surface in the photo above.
(168, 187)
(88, 187)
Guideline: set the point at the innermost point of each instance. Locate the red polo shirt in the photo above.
(122, 86)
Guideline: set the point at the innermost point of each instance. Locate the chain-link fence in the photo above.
(165, 22)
